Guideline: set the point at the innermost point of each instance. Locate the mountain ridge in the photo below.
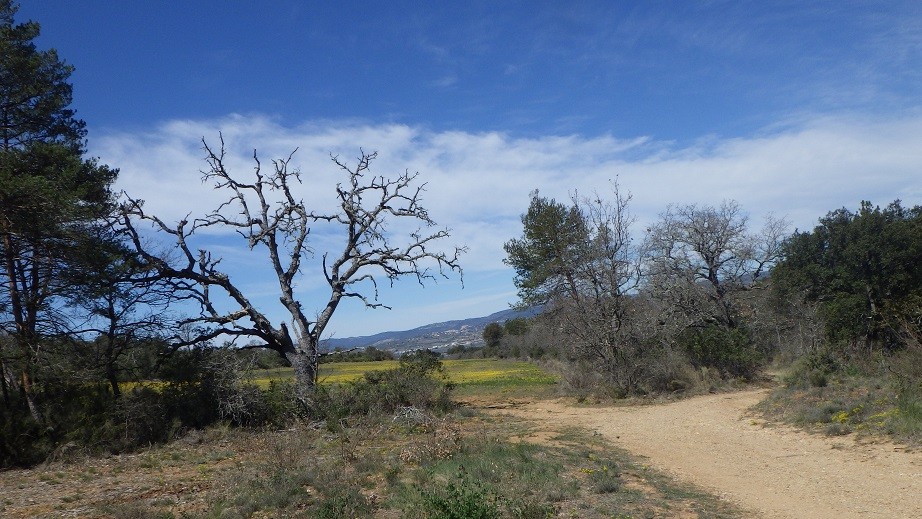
(435, 336)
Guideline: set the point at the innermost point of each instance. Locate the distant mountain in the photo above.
(436, 336)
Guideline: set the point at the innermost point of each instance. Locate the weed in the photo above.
(854, 400)
(462, 498)
(605, 481)
(136, 511)
(72, 498)
(342, 502)
(906, 421)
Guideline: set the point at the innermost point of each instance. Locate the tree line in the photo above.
(700, 295)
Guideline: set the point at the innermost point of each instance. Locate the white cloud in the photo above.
(445, 81)
(478, 183)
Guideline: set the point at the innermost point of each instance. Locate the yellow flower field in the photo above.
(499, 373)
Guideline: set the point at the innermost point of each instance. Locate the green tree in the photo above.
(545, 258)
(516, 326)
(493, 335)
(578, 261)
(863, 268)
(49, 197)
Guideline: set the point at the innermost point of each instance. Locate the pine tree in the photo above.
(50, 197)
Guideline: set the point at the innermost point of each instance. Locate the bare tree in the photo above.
(699, 256)
(596, 314)
(267, 214)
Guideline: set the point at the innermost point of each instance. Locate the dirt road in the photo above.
(777, 472)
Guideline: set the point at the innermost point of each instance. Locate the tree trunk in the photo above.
(112, 376)
(304, 362)
(26, 387)
(4, 385)
(111, 338)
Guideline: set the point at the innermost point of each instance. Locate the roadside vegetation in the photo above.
(470, 376)
(113, 345)
(385, 445)
(857, 278)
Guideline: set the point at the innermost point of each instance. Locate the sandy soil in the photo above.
(775, 471)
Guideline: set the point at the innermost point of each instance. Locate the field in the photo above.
(477, 461)
(471, 377)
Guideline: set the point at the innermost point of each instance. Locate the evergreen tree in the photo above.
(50, 198)
(864, 269)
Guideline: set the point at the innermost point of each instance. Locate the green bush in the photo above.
(87, 418)
(460, 499)
(418, 382)
(342, 502)
(814, 369)
(729, 350)
(369, 354)
(908, 420)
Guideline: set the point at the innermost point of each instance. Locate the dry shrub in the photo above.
(441, 441)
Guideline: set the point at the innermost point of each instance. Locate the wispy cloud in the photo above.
(478, 184)
(445, 81)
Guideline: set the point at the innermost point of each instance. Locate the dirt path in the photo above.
(777, 472)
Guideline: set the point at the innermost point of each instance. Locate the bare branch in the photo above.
(268, 215)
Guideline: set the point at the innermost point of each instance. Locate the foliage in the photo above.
(51, 201)
(460, 499)
(848, 400)
(546, 255)
(579, 261)
(369, 354)
(643, 317)
(516, 326)
(729, 350)
(859, 276)
(198, 388)
(418, 382)
(493, 334)
(863, 268)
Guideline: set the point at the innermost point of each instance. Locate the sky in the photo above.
(790, 108)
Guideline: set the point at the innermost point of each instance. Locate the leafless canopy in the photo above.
(699, 255)
(266, 212)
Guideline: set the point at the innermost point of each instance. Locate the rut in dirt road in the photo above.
(777, 472)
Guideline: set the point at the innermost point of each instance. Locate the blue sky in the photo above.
(791, 108)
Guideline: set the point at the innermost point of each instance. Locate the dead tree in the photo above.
(266, 213)
(700, 257)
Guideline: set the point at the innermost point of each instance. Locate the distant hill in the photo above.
(436, 336)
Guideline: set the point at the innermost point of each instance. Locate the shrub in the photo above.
(417, 382)
(369, 354)
(729, 350)
(907, 422)
(460, 499)
(207, 387)
(343, 502)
